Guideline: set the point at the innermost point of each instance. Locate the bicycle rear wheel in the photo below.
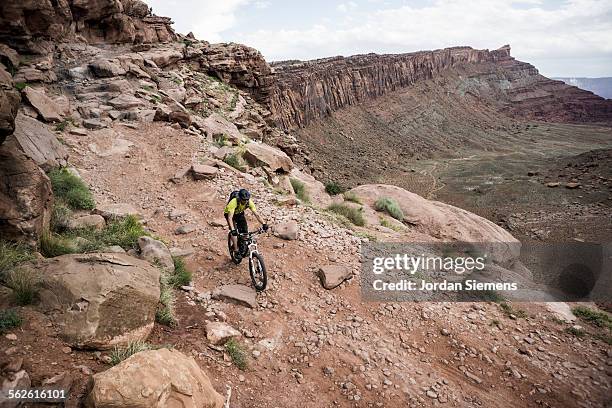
(259, 276)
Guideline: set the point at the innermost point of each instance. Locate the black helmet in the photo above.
(244, 195)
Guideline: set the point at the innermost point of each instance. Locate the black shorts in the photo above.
(240, 222)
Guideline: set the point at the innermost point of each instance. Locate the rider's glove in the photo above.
(234, 233)
(264, 227)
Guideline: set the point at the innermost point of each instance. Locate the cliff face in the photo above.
(32, 26)
(307, 91)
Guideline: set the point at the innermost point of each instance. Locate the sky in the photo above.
(561, 38)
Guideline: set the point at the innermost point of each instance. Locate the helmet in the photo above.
(244, 195)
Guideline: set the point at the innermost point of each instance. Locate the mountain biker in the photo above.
(235, 217)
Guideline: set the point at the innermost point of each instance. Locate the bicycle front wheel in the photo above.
(259, 276)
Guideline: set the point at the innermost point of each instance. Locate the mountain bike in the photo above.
(247, 244)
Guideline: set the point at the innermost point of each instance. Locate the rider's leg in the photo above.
(241, 224)
(234, 239)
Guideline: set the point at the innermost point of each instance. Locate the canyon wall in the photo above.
(33, 26)
(310, 90)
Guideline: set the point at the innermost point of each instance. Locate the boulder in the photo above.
(180, 117)
(87, 221)
(217, 126)
(125, 101)
(13, 381)
(93, 124)
(99, 300)
(333, 275)
(287, 230)
(315, 189)
(258, 154)
(26, 198)
(116, 211)
(156, 252)
(9, 104)
(239, 294)
(203, 171)
(106, 69)
(445, 222)
(38, 143)
(154, 379)
(46, 108)
(186, 229)
(219, 333)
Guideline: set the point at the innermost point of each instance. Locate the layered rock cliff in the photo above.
(307, 91)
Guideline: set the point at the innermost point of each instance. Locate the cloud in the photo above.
(262, 4)
(574, 29)
(346, 7)
(206, 18)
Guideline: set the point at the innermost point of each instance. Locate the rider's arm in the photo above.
(230, 220)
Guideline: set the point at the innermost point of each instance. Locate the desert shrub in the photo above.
(52, 245)
(60, 216)
(300, 189)
(509, 310)
(235, 161)
(20, 86)
(9, 319)
(122, 353)
(333, 188)
(352, 197)
(61, 126)
(221, 140)
(181, 275)
(25, 283)
(390, 206)
(165, 312)
(237, 354)
(11, 255)
(71, 189)
(599, 319)
(354, 215)
(576, 331)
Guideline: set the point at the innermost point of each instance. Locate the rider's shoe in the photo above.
(237, 256)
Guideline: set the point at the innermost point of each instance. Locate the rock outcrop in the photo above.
(310, 90)
(154, 378)
(32, 26)
(100, 300)
(26, 198)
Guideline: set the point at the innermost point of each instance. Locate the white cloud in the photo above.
(575, 29)
(206, 18)
(262, 4)
(346, 7)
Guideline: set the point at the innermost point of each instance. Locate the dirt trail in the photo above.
(330, 348)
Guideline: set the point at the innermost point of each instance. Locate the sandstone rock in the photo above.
(180, 117)
(26, 198)
(203, 171)
(561, 311)
(116, 211)
(87, 221)
(93, 124)
(45, 107)
(125, 101)
(553, 184)
(9, 104)
(156, 252)
(276, 160)
(106, 69)
(154, 379)
(217, 126)
(39, 143)
(288, 230)
(186, 229)
(445, 222)
(315, 189)
(240, 294)
(100, 300)
(219, 333)
(333, 275)
(16, 381)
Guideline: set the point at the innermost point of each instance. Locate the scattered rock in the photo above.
(186, 229)
(277, 160)
(240, 294)
(204, 172)
(553, 184)
(45, 107)
(287, 231)
(156, 252)
(116, 211)
(219, 333)
(87, 221)
(333, 275)
(93, 124)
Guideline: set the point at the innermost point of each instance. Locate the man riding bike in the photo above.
(235, 217)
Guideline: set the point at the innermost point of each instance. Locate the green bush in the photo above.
(122, 353)
(25, 283)
(52, 245)
(300, 189)
(60, 216)
(352, 197)
(71, 189)
(12, 255)
(181, 275)
(20, 86)
(221, 140)
(235, 161)
(390, 206)
(237, 354)
(333, 188)
(9, 319)
(354, 215)
(61, 126)
(599, 319)
(165, 312)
